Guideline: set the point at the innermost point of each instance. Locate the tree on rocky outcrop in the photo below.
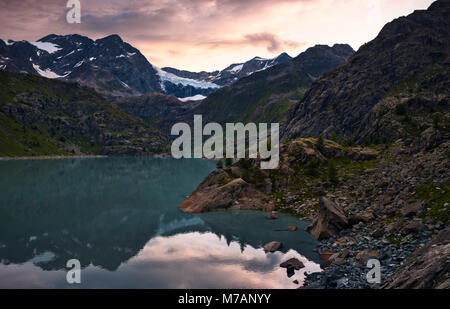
(320, 144)
(228, 162)
(332, 172)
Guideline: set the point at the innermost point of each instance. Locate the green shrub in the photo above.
(219, 164)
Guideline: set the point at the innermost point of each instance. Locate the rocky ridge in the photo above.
(395, 86)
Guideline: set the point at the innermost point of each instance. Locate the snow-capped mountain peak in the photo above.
(115, 68)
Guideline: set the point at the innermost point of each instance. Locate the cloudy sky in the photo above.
(209, 34)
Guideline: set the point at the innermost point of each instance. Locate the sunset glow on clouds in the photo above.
(209, 34)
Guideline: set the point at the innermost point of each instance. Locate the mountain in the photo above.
(109, 65)
(266, 95)
(233, 72)
(40, 116)
(395, 86)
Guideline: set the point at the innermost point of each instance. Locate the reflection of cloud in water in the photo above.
(190, 260)
(196, 260)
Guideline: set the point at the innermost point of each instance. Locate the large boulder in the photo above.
(426, 268)
(365, 255)
(411, 209)
(330, 220)
(219, 191)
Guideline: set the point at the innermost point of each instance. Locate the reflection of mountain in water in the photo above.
(104, 211)
(254, 229)
(100, 211)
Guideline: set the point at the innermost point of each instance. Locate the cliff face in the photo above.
(392, 87)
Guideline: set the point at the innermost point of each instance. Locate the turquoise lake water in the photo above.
(120, 218)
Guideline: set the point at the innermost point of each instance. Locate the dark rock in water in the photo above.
(272, 216)
(426, 268)
(273, 246)
(331, 220)
(291, 228)
(290, 271)
(296, 264)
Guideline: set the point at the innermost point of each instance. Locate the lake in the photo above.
(120, 218)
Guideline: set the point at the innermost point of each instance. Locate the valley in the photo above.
(364, 158)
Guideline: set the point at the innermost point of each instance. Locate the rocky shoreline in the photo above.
(385, 202)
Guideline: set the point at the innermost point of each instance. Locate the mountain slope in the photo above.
(395, 86)
(266, 95)
(48, 117)
(158, 110)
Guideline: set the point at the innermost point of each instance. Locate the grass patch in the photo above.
(438, 197)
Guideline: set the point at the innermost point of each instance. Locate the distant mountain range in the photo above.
(115, 68)
(233, 72)
(261, 96)
(266, 95)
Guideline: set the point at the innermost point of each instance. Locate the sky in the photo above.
(209, 35)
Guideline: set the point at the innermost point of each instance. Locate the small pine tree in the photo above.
(332, 171)
(312, 168)
(228, 162)
(320, 144)
(245, 175)
(334, 137)
(219, 164)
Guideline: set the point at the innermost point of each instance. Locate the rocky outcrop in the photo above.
(330, 220)
(220, 191)
(245, 186)
(427, 268)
